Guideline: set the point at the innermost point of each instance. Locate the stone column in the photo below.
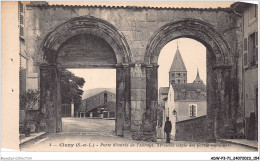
(222, 102)
(123, 117)
(149, 126)
(50, 96)
(219, 99)
(72, 109)
(138, 99)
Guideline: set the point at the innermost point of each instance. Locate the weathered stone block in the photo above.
(125, 25)
(144, 24)
(129, 35)
(138, 83)
(136, 114)
(137, 36)
(165, 15)
(136, 57)
(140, 15)
(138, 94)
(137, 71)
(104, 14)
(138, 44)
(152, 15)
(138, 105)
(141, 37)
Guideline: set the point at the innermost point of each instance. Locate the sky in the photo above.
(193, 54)
(96, 78)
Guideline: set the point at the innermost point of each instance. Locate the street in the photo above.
(84, 134)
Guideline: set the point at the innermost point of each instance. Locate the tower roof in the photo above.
(198, 80)
(177, 63)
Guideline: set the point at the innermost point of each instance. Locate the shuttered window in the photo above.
(252, 49)
(193, 110)
(245, 53)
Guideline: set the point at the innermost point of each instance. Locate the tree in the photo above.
(70, 88)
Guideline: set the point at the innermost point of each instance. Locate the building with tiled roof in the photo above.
(181, 100)
(98, 102)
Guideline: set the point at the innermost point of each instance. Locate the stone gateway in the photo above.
(129, 39)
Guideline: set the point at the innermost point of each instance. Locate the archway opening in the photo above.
(94, 103)
(219, 73)
(83, 46)
(92, 107)
(182, 82)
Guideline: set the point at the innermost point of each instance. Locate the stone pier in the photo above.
(50, 97)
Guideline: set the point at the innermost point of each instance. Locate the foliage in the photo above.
(70, 88)
(29, 100)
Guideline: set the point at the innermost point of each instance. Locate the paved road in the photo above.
(87, 125)
(82, 134)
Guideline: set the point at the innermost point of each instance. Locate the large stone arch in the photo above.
(219, 67)
(85, 25)
(50, 76)
(189, 28)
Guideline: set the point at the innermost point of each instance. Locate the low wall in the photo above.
(193, 130)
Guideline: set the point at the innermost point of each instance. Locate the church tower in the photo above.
(198, 80)
(178, 72)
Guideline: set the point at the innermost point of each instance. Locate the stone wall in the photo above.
(193, 130)
(138, 25)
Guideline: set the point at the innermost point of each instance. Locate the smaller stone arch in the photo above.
(189, 28)
(85, 25)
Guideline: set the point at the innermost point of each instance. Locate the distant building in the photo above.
(181, 100)
(178, 72)
(99, 103)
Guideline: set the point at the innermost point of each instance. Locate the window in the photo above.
(252, 49)
(179, 81)
(184, 75)
(178, 74)
(245, 53)
(173, 81)
(245, 44)
(105, 97)
(184, 81)
(173, 75)
(193, 110)
(245, 60)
